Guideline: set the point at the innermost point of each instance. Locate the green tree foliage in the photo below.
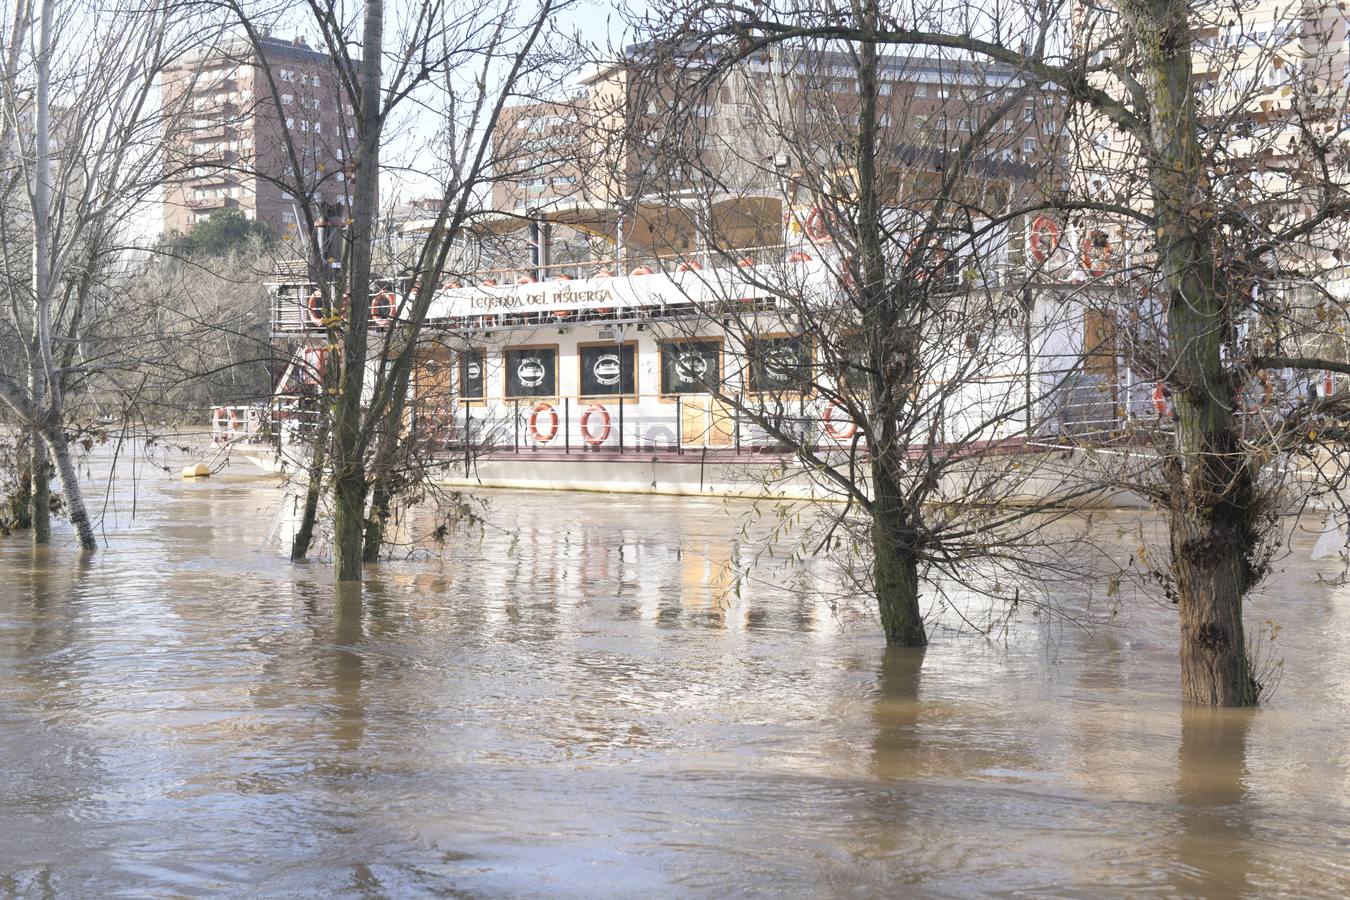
(225, 231)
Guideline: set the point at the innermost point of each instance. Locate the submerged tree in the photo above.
(81, 137)
(462, 66)
(891, 339)
(1209, 141)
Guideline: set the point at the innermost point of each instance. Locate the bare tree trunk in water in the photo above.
(21, 503)
(895, 567)
(304, 535)
(349, 443)
(39, 465)
(379, 514)
(50, 413)
(70, 487)
(1214, 506)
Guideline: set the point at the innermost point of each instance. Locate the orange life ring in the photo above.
(533, 427)
(1095, 252)
(603, 273)
(745, 262)
(563, 277)
(561, 313)
(799, 257)
(836, 430)
(311, 365)
(525, 279)
(1044, 230)
(382, 307)
(641, 270)
(315, 307)
(451, 286)
(817, 224)
(590, 437)
(1328, 385)
(489, 282)
(1162, 401)
(690, 266)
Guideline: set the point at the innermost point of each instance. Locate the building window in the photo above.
(531, 372)
(471, 375)
(287, 99)
(286, 75)
(690, 367)
(608, 369)
(780, 364)
(1029, 145)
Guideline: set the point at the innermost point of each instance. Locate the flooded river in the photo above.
(571, 704)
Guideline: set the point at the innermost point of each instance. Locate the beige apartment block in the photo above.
(1271, 92)
(637, 159)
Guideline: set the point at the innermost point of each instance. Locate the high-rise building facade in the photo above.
(235, 106)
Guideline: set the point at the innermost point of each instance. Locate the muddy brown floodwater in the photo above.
(572, 707)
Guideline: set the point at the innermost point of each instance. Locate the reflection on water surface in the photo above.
(584, 711)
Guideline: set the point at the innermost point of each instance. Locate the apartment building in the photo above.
(1270, 82)
(236, 105)
(622, 155)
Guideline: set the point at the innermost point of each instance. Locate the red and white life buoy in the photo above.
(1044, 238)
(1095, 252)
(451, 286)
(595, 439)
(818, 224)
(746, 262)
(1328, 385)
(641, 270)
(840, 430)
(799, 257)
(382, 307)
(542, 409)
(488, 282)
(315, 307)
(689, 266)
(218, 418)
(1162, 399)
(310, 365)
(525, 279)
(603, 273)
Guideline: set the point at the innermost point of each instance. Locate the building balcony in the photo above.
(204, 203)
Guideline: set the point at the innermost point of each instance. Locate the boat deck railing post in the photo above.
(621, 426)
(567, 425)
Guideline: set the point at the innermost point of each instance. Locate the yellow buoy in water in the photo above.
(200, 470)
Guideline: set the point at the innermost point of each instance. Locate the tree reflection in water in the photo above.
(1214, 808)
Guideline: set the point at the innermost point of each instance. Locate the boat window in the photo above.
(780, 364)
(608, 369)
(690, 367)
(532, 372)
(471, 380)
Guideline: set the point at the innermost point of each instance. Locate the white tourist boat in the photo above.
(650, 374)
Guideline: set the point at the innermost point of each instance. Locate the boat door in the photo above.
(706, 422)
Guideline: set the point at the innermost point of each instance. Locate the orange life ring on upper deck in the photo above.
(382, 307)
(315, 307)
